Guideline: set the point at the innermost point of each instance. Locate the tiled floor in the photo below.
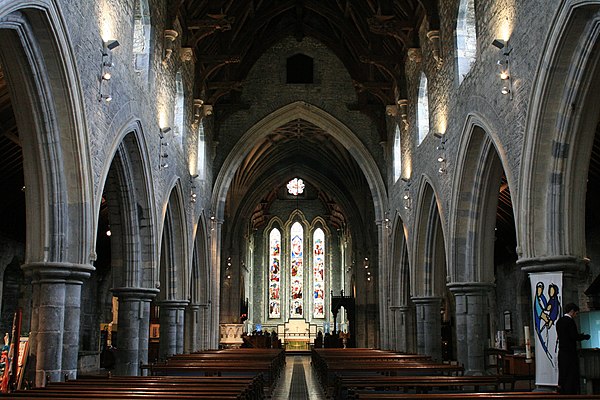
(290, 385)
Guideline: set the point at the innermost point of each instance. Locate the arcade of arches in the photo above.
(168, 167)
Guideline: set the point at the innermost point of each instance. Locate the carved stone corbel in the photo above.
(170, 36)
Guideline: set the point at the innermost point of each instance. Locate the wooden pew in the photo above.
(345, 385)
(481, 396)
(151, 387)
(335, 364)
(249, 362)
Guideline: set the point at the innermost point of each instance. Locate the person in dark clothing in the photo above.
(568, 362)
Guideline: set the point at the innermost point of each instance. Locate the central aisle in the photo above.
(298, 381)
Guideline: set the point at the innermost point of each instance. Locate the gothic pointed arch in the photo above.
(428, 266)
(44, 86)
(200, 290)
(478, 188)
(318, 117)
(174, 253)
(40, 71)
(402, 309)
(559, 139)
(127, 192)
(132, 218)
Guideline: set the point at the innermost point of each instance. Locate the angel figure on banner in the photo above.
(546, 312)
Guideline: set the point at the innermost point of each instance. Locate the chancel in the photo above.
(298, 198)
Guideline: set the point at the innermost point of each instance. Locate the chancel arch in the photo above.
(331, 162)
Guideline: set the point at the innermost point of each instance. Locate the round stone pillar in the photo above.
(190, 339)
(202, 328)
(133, 328)
(471, 316)
(405, 329)
(572, 269)
(429, 326)
(55, 324)
(171, 327)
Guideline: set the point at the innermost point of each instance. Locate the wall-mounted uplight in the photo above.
(193, 195)
(106, 69)
(441, 159)
(503, 66)
(406, 196)
(163, 155)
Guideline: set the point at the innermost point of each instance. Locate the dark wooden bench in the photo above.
(509, 395)
(345, 385)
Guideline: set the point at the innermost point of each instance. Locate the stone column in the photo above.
(572, 269)
(429, 326)
(171, 327)
(55, 330)
(144, 337)
(395, 328)
(202, 331)
(215, 283)
(382, 295)
(407, 324)
(190, 338)
(471, 318)
(71, 329)
(133, 328)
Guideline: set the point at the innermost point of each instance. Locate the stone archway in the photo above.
(428, 272)
(133, 252)
(44, 87)
(339, 132)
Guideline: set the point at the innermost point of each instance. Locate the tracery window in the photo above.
(201, 168)
(319, 273)
(179, 107)
(141, 38)
(423, 109)
(466, 38)
(296, 271)
(275, 274)
(295, 187)
(397, 155)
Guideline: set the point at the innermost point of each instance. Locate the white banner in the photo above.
(546, 294)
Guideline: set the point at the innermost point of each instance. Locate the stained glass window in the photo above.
(296, 271)
(275, 274)
(318, 274)
(295, 186)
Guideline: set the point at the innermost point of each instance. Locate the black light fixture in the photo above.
(503, 65)
(442, 155)
(162, 154)
(106, 70)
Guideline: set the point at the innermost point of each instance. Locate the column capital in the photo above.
(135, 293)
(427, 300)
(173, 303)
(469, 287)
(565, 263)
(57, 272)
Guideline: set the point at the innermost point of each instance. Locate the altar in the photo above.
(297, 334)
